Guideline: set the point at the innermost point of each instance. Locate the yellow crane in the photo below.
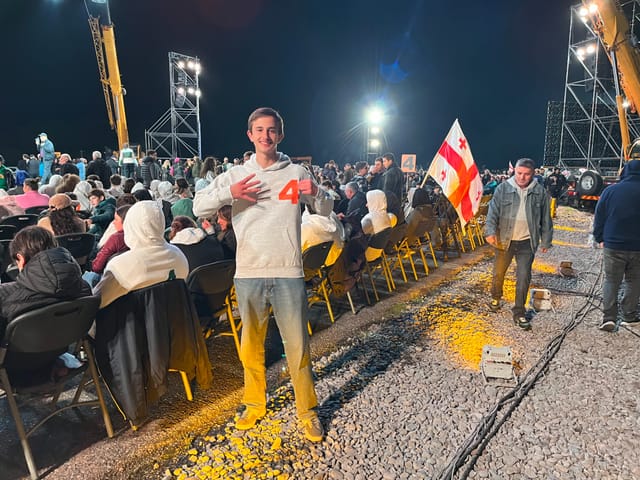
(612, 25)
(104, 42)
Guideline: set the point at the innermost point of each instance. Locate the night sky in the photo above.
(494, 64)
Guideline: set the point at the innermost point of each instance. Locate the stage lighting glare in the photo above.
(581, 53)
(181, 90)
(375, 115)
(591, 49)
(375, 130)
(583, 12)
(191, 90)
(197, 68)
(625, 103)
(191, 64)
(374, 143)
(593, 8)
(181, 64)
(198, 93)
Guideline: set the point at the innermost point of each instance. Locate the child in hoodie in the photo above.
(264, 194)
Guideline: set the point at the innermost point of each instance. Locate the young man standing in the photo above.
(264, 194)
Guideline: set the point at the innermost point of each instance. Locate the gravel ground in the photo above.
(405, 399)
(402, 396)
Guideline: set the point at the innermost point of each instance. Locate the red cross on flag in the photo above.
(455, 171)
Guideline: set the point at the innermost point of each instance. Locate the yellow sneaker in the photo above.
(248, 419)
(313, 430)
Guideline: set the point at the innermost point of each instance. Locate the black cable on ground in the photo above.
(475, 444)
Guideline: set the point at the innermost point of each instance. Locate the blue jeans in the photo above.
(46, 172)
(128, 170)
(523, 253)
(620, 265)
(288, 298)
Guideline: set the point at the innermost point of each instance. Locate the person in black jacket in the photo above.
(392, 178)
(197, 246)
(48, 274)
(150, 169)
(99, 167)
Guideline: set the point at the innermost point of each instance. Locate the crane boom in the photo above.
(104, 42)
(613, 27)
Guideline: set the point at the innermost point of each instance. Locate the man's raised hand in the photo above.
(307, 187)
(246, 189)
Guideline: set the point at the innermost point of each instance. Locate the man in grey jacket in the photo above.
(265, 195)
(518, 220)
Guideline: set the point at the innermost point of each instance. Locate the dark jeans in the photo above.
(128, 169)
(619, 265)
(524, 258)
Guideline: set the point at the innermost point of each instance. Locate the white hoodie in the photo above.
(267, 231)
(317, 229)
(376, 220)
(149, 261)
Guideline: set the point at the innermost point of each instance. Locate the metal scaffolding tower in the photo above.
(177, 132)
(590, 133)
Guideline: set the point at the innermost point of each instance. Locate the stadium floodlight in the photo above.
(375, 130)
(374, 143)
(374, 115)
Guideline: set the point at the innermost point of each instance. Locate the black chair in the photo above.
(20, 221)
(36, 210)
(142, 336)
(315, 276)
(5, 260)
(7, 232)
(210, 287)
(80, 245)
(376, 258)
(31, 344)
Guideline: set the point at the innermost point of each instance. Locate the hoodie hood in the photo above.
(189, 236)
(83, 187)
(376, 201)
(144, 225)
(631, 169)
(319, 222)
(512, 182)
(282, 162)
(165, 192)
(53, 272)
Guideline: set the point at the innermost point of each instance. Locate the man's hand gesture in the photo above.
(246, 189)
(307, 187)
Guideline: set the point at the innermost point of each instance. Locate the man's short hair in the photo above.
(32, 183)
(96, 192)
(115, 179)
(30, 241)
(360, 165)
(96, 154)
(526, 162)
(353, 186)
(266, 112)
(389, 156)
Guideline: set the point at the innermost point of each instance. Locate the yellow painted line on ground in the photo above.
(569, 229)
(560, 243)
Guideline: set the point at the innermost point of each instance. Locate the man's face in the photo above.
(349, 193)
(264, 135)
(523, 176)
(387, 163)
(377, 167)
(94, 200)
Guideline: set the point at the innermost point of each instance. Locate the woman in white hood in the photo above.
(317, 229)
(377, 219)
(82, 195)
(167, 193)
(149, 261)
(50, 188)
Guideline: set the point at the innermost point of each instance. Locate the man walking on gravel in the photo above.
(265, 194)
(616, 227)
(518, 220)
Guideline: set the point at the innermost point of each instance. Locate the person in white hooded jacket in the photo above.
(377, 219)
(149, 261)
(317, 229)
(265, 194)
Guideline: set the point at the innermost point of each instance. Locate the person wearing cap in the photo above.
(47, 155)
(62, 218)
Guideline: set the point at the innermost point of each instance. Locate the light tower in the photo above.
(374, 137)
(590, 129)
(177, 133)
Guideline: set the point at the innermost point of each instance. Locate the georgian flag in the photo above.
(455, 171)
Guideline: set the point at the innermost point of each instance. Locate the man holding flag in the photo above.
(518, 220)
